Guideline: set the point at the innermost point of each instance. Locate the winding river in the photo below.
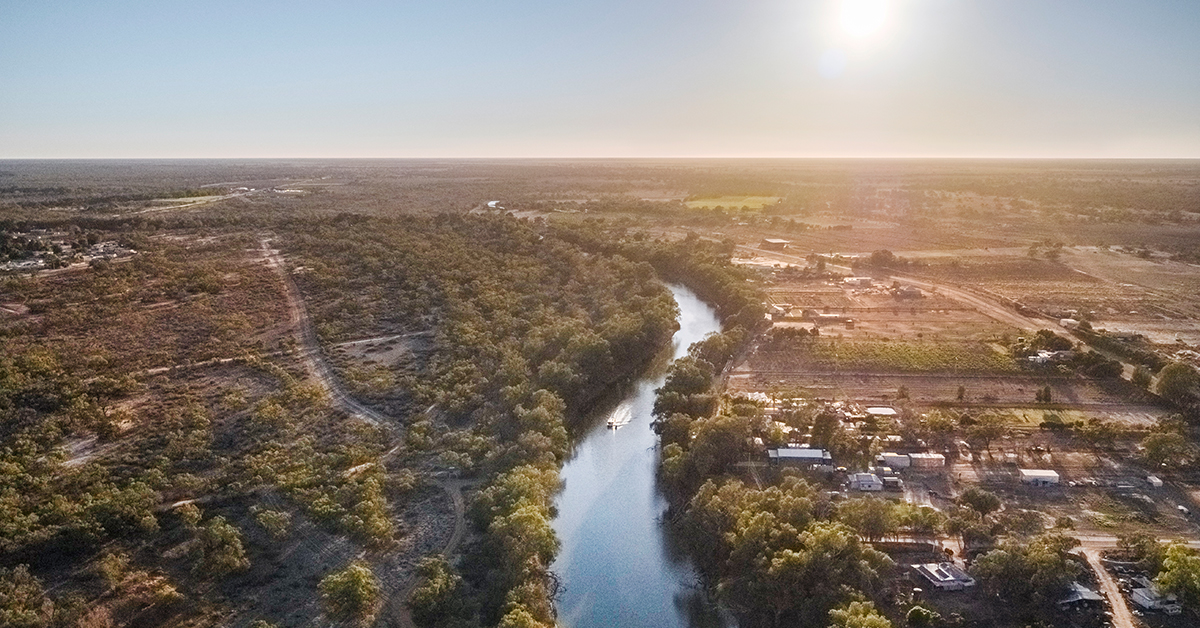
(616, 564)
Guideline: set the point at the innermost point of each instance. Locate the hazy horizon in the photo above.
(773, 79)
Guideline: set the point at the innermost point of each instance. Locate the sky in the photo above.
(599, 78)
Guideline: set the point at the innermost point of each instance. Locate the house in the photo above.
(926, 461)
(865, 482)
(945, 576)
(799, 457)
(1039, 477)
(1148, 597)
(774, 244)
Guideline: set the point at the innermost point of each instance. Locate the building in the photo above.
(907, 292)
(895, 461)
(1081, 597)
(865, 482)
(860, 282)
(799, 457)
(1148, 597)
(926, 461)
(775, 244)
(893, 484)
(1154, 481)
(945, 576)
(1039, 477)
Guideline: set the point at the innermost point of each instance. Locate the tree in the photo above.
(1181, 574)
(1141, 377)
(1143, 548)
(352, 592)
(987, 428)
(1178, 383)
(23, 602)
(1029, 574)
(921, 617)
(438, 599)
(979, 500)
(276, 522)
(1168, 449)
(872, 518)
(858, 615)
(220, 547)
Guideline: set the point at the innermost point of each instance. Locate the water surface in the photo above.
(616, 563)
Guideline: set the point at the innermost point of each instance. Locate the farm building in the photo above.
(945, 576)
(907, 292)
(799, 457)
(865, 482)
(926, 461)
(881, 412)
(775, 244)
(1039, 477)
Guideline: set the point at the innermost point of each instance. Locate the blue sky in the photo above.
(475, 78)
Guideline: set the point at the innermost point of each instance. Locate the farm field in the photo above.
(733, 202)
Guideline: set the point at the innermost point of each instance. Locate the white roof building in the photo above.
(945, 576)
(1039, 477)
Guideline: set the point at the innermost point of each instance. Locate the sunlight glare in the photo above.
(862, 18)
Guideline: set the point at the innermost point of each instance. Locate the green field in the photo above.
(910, 357)
(733, 202)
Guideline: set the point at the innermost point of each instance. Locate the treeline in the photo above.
(527, 328)
(701, 264)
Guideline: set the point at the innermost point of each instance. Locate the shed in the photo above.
(1080, 595)
(1039, 477)
(774, 244)
(926, 461)
(799, 457)
(861, 282)
(1154, 481)
(893, 460)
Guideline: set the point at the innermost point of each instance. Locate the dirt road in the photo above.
(395, 611)
(310, 347)
(1121, 616)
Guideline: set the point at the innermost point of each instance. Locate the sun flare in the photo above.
(862, 18)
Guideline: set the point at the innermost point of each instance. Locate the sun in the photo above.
(862, 18)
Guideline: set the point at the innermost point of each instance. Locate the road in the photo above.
(310, 347)
(1121, 616)
(396, 611)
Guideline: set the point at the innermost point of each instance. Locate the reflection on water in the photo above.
(616, 564)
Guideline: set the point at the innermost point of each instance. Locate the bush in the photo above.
(351, 593)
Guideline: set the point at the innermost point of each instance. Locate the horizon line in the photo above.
(629, 158)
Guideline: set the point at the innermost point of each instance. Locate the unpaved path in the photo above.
(395, 611)
(310, 348)
(1121, 616)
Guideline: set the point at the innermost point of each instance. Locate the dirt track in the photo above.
(395, 611)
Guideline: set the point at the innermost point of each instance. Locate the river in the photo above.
(616, 563)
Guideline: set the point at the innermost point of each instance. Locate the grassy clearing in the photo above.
(910, 356)
(733, 202)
